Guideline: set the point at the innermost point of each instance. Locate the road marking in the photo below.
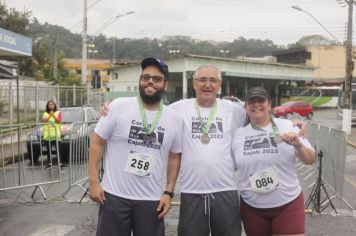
(53, 230)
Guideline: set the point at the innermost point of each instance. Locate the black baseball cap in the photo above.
(257, 92)
(150, 61)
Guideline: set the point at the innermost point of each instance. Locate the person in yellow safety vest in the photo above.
(52, 128)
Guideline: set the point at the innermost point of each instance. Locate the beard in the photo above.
(151, 99)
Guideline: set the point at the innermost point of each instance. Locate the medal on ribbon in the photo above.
(149, 136)
(205, 139)
(275, 132)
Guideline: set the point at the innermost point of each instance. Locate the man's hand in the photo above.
(96, 193)
(104, 109)
(302, 126)
(164, 206)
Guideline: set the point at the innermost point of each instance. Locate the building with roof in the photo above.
(98, 70)
(237, 76)
(329, 61)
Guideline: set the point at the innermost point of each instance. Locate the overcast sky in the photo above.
(221, 20)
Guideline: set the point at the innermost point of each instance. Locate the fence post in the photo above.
(11, 103)
(88, 87)
(58, 99)
(37, 103)
(74, 96)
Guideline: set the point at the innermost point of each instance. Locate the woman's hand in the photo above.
(292, 139)
(302, 126)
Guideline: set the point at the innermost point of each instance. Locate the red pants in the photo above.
(282, 220)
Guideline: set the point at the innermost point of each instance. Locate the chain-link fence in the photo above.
(30, 100)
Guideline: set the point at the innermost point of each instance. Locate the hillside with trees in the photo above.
(45, 35)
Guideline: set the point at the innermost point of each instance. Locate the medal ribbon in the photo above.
(205, 129)
(146, 129)
(275, 131)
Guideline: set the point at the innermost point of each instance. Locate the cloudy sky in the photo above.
(221, 20)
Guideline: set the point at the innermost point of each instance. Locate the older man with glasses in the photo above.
(209, 197)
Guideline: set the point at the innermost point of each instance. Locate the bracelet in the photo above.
(171, 194)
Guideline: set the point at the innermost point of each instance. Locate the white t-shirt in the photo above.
(208, 168)
(256, 154)
(123, 130)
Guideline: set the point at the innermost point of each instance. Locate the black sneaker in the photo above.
(49, 166)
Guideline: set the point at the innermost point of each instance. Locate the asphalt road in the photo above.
(21, 215)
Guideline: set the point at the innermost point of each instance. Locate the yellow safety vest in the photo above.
(52, 129)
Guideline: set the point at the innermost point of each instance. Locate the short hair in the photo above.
(206, 66)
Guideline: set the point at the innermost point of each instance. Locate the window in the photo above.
(128, 88)
(90, 115)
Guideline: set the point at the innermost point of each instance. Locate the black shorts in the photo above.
(222, 220)
(119, 216)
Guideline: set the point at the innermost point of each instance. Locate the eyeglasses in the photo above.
(155, 78)
(204, 80)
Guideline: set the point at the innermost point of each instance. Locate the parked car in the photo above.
(87, 118)
(235, 99)
(299, 107)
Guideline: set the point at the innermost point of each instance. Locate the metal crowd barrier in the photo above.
(331, 144)
(80, 136)
(23, 156)
(18, 172)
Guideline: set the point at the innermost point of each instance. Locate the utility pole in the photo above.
(55, 57)
(113, 51)
(84, 43)
(347, 109)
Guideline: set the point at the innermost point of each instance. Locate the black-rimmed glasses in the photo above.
(155, 78)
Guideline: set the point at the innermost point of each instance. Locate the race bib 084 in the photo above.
(264, 181)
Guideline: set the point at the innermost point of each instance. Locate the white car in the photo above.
(235, 99)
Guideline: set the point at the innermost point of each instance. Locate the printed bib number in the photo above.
(265, 181)
(140, 164)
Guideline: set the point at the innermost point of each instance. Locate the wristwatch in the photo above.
(171, 194)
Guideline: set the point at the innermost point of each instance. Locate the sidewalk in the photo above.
(72, 219)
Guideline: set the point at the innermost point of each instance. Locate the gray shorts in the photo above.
(222, 220)
(119, 216)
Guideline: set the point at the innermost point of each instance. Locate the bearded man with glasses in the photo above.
(140, 134)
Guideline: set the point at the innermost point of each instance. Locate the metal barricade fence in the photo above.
(16, 172)
(333, 145)
(80, 136)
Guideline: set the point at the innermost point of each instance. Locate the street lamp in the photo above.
(84, 34)
(224, 52)
(347, 108)
(110, 21)
(92, 51)
(302, 10)
(174, 51)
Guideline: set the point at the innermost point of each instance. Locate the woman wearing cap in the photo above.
(265, 152)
